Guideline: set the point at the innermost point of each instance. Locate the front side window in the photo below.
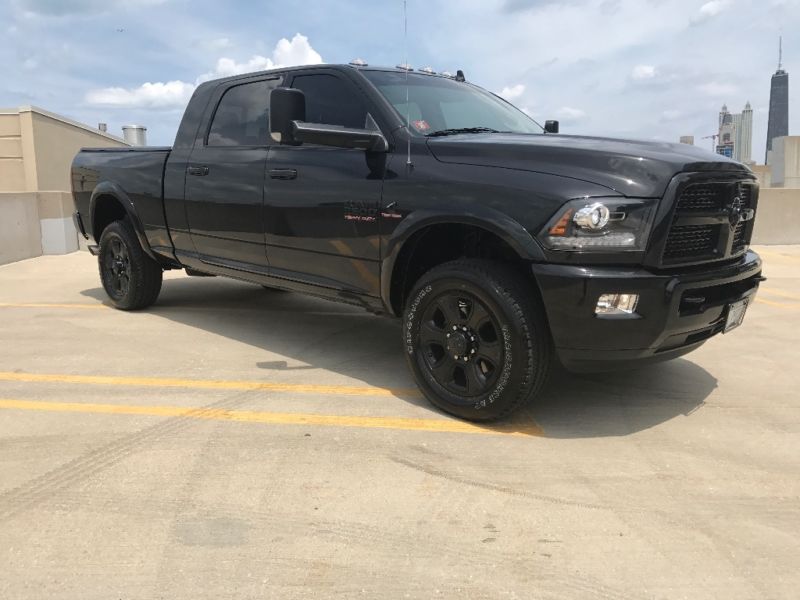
(331, 101)
(242, 116)
(438, 104)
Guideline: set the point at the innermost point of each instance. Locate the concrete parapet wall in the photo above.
(778, 217)
(35, 223)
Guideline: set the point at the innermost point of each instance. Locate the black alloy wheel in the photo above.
(131, 278)
(476, 338)
(460, 344)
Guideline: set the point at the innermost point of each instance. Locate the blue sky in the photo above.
(653, 69)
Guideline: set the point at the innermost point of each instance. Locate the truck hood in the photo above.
(632, 168)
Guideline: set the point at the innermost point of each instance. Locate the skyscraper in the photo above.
(743, 148)
(778, 103)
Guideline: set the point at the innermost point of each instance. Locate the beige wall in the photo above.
(778, 217)
(785, 162)
(764, 174)
(36, 151)
(37, 148)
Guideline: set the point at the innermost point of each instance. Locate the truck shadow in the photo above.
(309, 333)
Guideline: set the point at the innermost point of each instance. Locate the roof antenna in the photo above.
(409, 164)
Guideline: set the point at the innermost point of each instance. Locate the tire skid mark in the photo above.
(430, 470)
(42, 488)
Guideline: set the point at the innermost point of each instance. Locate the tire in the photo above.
(476, 339)
(130, 277)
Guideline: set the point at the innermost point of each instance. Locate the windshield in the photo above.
(440, 105)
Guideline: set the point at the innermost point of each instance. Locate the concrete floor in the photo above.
(233, 442)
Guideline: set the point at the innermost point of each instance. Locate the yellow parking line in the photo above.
(249, 416)
(210, 384)
(52, 305)
(778, 304)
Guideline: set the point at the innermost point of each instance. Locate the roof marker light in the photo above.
(405, 67)
(446, 74)
(428, 71)
(359, 62)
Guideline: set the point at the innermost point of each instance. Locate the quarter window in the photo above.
(242, 116)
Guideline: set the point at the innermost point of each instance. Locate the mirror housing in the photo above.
(286, 105)
(339, 137)
(551, 126)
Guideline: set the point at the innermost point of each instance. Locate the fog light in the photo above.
(617, 304)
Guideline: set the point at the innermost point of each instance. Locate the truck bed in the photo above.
(136, 174)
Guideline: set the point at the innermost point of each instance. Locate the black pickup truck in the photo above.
(502, 245)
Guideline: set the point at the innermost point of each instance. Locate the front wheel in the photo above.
(130, 277)
(476, 339)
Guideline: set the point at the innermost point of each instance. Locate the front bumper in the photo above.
(677, 311)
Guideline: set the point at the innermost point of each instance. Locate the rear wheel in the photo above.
(130, 277)
(476, 339)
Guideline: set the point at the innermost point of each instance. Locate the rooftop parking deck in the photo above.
(238, 442)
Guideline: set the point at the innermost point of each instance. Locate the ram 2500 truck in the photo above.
(503, 246)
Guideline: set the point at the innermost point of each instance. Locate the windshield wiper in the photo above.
(455, 131)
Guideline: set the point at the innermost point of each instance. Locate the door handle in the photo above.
(283, 173)
(199, 171)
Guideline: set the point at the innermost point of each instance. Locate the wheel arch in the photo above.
(108, 203)
(506, 236)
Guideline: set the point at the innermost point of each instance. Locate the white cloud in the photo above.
(513, 92)
(711, 9)
(148, 95)
(641, 72)
(296, 52)
(567, 113)
(287, 53)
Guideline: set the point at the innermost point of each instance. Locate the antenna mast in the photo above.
(780, 52)
(405, 62)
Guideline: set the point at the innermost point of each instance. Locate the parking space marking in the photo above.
(210, 384)
(52, 305)
(272, 418)
(783, 305)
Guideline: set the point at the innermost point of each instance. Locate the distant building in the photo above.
(687, 139)
(778, 125)
(36, 151)
(736, 134)
(785, 162)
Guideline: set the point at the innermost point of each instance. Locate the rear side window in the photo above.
(331, 101)
(242, 116)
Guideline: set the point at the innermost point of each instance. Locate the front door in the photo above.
(322, 203)
(225, 180)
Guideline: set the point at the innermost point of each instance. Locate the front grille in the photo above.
(691, 241)
(712, 220)
(739, 242)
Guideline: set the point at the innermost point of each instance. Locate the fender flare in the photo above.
(493, 221)
(109, 188)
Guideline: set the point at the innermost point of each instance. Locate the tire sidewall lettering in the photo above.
(408, 334)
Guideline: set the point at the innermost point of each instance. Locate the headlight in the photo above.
(600, 225)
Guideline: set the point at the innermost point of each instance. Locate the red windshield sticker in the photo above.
(421, 125)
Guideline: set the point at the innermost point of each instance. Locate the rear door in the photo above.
(224, 188)
(322, 202)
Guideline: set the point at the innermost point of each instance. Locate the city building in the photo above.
(36, 152)
(785, 162)
(687, 139)
(778, 125)
(735, 138)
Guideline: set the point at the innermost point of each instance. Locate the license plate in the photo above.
(736, 312)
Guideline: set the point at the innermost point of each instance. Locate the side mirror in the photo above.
(551, 126)
(286, 105)
(340, 137)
